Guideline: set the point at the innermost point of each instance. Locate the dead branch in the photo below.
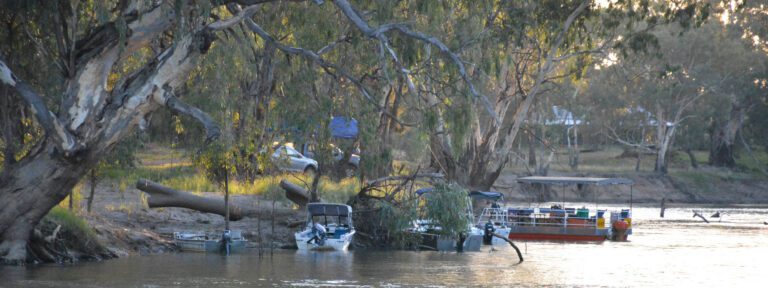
(519, 255)
(174, 104)
(696, 214)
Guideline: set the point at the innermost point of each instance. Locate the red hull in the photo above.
(555, 237)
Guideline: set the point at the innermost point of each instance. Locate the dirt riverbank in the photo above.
(125, 225)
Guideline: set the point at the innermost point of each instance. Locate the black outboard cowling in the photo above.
(488, 233)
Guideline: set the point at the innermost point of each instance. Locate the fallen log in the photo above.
(295, 193)
(162, 196)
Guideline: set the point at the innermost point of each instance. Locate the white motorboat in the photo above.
(329, 227)
(493, 219)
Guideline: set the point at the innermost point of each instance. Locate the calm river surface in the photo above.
(678, 251)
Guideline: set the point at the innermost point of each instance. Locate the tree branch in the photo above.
(328, 67)
(224, 24)
(212, 130)
(379, 32)
(616, 138)
(52, 126)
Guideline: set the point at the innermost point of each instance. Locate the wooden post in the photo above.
(226, 199)
(93, 189)
(663, 207)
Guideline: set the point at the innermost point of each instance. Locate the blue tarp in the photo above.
(342, 127)
(423, 191)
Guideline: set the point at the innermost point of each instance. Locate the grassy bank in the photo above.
(172, 168)
(609, 160)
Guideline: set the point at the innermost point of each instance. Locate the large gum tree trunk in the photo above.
(94, 119)
(723, 137)
(28, 190)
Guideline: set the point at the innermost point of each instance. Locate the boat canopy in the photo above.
(486, 195)
(574, 180)
(324, 209)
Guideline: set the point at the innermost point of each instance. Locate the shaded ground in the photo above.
(126, 226)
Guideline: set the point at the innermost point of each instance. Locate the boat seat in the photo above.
(339, 232)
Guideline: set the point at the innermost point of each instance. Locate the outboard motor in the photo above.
(226, 239)
(488, 233)
(318, 230)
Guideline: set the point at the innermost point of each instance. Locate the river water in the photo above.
(677, 250)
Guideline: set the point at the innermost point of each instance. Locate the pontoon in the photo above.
(560, 223)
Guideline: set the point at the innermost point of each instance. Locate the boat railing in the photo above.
(567, 218)
(498, 216)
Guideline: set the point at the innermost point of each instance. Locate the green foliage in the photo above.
(70, 222)
(215, 161)
(396, 220)
(448, 205)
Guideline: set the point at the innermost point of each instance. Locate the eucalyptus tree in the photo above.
(122, 62)
(744, 25)
(685, 84)
(523, 49)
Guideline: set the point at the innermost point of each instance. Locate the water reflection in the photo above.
(677, 250)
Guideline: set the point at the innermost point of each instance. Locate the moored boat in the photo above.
(469, 240)
(559, 223)
(329, 227)
(210, 242)
(493, 218)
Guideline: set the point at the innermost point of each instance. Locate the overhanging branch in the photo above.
(330, 68)
(52, 126)
(379, 32)
(212, 130)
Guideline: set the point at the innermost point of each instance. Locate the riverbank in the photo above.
(698, 187)
(676, 249)
(684, 183)
(126, 226)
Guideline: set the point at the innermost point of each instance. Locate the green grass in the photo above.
(69, 221)
(172, 168)
(267, 186)
(608, 160)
